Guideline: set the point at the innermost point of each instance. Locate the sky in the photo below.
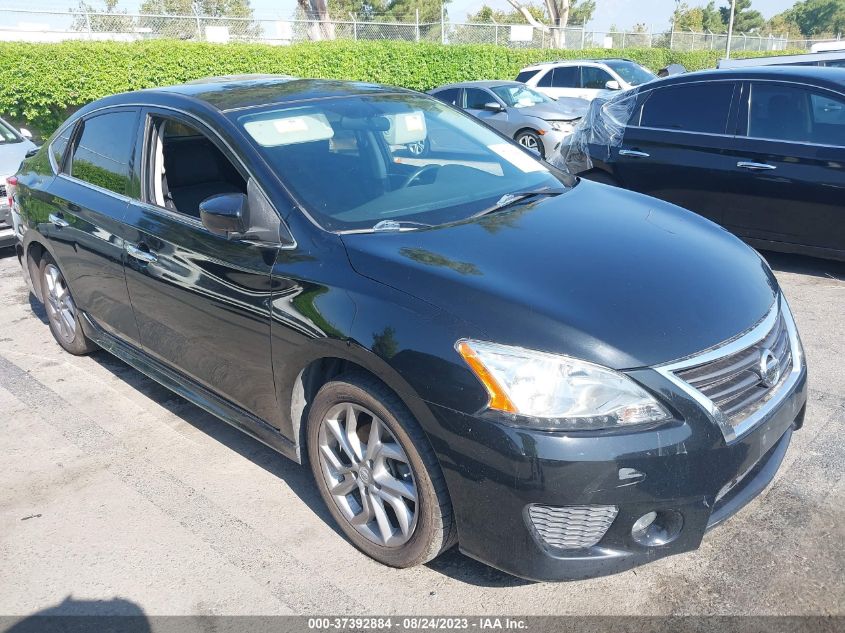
(623, 13)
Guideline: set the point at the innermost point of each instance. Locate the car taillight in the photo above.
(11, 183)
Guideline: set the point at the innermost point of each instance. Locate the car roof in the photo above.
(573, 62)
(236, 92)
(817, 75)
(486, 83)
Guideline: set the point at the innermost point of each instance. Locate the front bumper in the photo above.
(7, 229)
(494, 472)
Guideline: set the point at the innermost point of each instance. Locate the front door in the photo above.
(202, 301)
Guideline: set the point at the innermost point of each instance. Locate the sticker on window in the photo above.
(517, 157)
(289, 130)
(405, 128)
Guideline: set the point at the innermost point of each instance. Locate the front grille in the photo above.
(736, 383)
(571, 527)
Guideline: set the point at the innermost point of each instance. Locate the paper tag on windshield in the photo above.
(517, 158)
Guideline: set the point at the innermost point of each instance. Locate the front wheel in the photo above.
(531, 140)
(377, 473)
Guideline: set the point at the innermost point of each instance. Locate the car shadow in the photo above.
(84, 616)
(805, 265)
(38, 309)
(299, 478)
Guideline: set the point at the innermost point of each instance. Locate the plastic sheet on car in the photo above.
(601, 130)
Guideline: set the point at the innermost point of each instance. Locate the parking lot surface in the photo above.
(117, 495)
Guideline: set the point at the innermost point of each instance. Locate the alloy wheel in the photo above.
(528, 140)
(368, 474)
(61, 310)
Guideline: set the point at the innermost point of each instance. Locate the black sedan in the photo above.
(565, 379)
(761, 151)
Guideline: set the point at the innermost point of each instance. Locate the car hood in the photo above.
(561, 110)
(11, 155)
(598, 273)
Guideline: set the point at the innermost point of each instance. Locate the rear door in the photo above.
(677, 146)
(791, 156)
(202, 301)
(562, 81)
(85, 224)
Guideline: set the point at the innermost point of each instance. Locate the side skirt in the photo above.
(193, 392)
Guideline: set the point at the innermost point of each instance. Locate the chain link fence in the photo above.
(54, 26)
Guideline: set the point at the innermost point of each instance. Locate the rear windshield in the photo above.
(631, 72)
(356, 161)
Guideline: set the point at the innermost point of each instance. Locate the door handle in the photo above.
(58, 220)
(633, 153)
(140, 254)
(755, 166)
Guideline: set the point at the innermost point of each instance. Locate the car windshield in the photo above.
(632, 73)
(520, 96)
(354, 162)
(8, 134)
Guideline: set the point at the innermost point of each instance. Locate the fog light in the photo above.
(657, 528)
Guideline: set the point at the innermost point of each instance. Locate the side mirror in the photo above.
(25, 133)
(613, 85)
(225, 213)
(494, 107)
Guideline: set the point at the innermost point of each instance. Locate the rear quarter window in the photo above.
(526, 75)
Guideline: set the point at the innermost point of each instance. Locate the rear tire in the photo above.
(383, 487)
(62, 314)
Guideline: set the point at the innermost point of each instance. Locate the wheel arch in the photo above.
(32, 251)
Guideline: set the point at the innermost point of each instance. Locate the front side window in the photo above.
(567, 77)
(594, 78)
(701, 107)
(784, 112)
(103, 150)
(416, 160)
(632, 73)
(520, 96)
(475, 98)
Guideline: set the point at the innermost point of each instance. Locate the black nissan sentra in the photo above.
(562, 378)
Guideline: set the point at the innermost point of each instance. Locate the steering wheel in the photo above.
(418, 174)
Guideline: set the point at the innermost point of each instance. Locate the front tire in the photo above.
(377, 473)
(62, 314)
(531, 140)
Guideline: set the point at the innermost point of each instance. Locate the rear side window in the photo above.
(546, 80)
(594, 78)
(567, 77)
(58, 147)
(701, 107)
(104, 149)
(525, 75)
(449, 96)
(783, 112)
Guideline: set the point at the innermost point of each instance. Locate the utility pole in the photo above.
(731, 27)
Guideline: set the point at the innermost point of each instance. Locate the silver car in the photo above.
(530, 118)
(14, 144)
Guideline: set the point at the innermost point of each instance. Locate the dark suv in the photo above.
(566, 379)
(761, 151)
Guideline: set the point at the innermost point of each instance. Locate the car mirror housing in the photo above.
(225, 213)
(25, 133)
(613, 85)
(492, 106)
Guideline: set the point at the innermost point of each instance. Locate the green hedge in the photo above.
(43, 83)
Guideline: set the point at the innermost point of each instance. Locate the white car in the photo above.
(14, 145)
(584, 78)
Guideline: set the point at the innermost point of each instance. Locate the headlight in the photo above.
(562, 126)
(558, 392)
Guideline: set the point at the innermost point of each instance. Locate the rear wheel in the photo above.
(62, 313)
(377, 473)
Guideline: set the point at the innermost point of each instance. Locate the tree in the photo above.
(783, 23)
(558, 13)
(188, 27)
(698, 19)
(488, 15)
(90, 18)
(746, 20)
(817, 18)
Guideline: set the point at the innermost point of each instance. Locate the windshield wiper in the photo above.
(398, 225)
(510, 199)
